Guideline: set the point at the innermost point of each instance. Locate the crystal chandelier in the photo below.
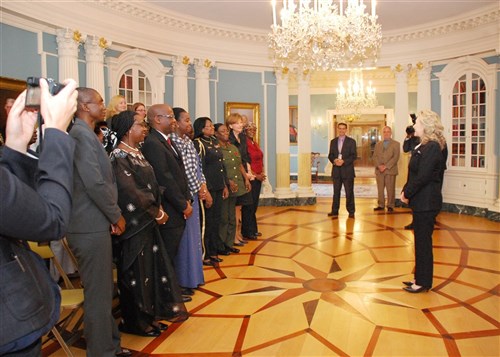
(356, 97)
(321, 35)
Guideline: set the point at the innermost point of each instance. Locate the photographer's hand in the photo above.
(20, 125)
(58, 110)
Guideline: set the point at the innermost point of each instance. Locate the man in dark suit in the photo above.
(95, 212)
(169, 169)
(342, 155)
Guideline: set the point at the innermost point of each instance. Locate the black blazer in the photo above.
(349, 155)
(170, 174)
(425, 176)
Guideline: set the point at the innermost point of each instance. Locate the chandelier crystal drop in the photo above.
(356, 97)
(321, 35)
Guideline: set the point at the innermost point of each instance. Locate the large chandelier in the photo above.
(321, 35)
(355, 97)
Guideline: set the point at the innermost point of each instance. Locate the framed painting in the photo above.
(250, 110)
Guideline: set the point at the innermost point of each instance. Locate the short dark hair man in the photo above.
(342, 155)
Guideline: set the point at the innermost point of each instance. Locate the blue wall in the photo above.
(19, 57)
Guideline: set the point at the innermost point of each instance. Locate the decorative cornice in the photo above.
(444, 29)
(140, 12)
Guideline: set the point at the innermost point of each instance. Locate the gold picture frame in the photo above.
(250, 110)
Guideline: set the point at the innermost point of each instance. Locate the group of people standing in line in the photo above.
(169, 190)
(422, 191)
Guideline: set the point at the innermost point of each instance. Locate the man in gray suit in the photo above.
(95, 212)
(385, 159)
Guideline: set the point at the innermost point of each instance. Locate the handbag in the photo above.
(29, 298)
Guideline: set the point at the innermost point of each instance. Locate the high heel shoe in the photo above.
(216, 259)
(413, 290)
(408, 283)
(238, 244)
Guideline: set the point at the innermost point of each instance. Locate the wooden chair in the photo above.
(71, 302)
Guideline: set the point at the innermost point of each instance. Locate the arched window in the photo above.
(468, 121)
(135, 86)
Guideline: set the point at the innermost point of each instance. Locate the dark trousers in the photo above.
(94, 257)
(349, 194)
(211, 240)
(172, 238)
(248, 212)
(423, 226)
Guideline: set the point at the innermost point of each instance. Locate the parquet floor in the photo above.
(316, 286)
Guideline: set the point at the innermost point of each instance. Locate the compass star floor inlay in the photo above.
(317, 286)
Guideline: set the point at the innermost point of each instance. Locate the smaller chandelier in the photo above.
(321, 35)
(356, 97)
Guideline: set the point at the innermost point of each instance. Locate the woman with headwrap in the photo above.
(146, 280)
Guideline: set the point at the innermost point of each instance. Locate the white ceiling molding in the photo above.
(139, 25)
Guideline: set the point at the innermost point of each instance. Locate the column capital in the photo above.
(68, 42)
(94, 48)
(401, 72)
(180, 65)
(203, 67)
(423, 70)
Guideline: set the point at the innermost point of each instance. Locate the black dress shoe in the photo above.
(390, 209)
(224, 252)
(250, 238)
(187, 291)
(333, 214)
(234, 250)
(378, 208)
(216, 259)
(408, 283)
(186, 298)
(239, 244)
(410, 226)
(421, 289)
(154, 332)
(208, 263)
(160, 326)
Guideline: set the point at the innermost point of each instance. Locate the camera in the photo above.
(33, 91)
(410, 129)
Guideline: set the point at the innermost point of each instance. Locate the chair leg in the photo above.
(61, 342)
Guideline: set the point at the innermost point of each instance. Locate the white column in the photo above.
(94, 55)
(180, 66)
(423, 86)
(304, 187)
(282, 137)
(67, 49)
(202, 69)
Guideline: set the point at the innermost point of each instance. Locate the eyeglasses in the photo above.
(168, 116)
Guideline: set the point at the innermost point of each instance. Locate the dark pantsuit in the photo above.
(423, 223)
(212, 223)
(172, 238)
(93, 253)
(349, 194)
(248, 218)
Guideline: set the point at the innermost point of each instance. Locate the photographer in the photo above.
(411, 141)
(36, 204)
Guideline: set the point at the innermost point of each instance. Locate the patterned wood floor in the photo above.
(316, 286)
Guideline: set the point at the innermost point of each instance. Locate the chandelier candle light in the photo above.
(321, 35)
(355, 97)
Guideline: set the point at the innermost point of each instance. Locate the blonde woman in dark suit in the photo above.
(385, 159)
(422, 192)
